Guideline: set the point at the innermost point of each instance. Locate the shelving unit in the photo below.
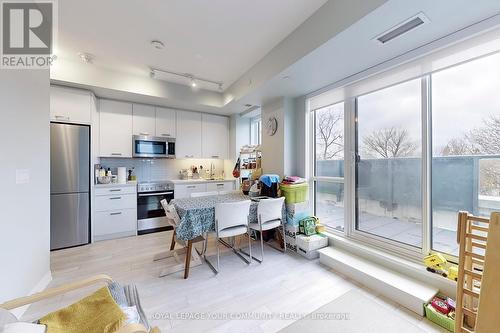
(250, 161)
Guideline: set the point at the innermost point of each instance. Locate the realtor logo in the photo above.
(27, 34)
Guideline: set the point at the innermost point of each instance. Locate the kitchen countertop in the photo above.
(201, 181)
(115, 185)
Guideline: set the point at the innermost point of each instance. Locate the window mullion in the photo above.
(426, 165)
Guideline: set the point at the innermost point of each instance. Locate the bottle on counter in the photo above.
(109, 172)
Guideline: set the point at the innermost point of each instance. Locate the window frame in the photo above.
(312, 164)
(256, 131)
(350, 178)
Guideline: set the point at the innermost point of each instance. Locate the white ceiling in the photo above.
(217, 39)
(354, 51)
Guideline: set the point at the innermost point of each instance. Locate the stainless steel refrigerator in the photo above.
(69, 185)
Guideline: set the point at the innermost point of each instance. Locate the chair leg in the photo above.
(284, 241)
(188, 259)
(218, 253)
(172, 244)
(261, 245)
(249, 245)
(205, 244)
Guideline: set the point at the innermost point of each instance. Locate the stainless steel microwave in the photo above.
(153, 146)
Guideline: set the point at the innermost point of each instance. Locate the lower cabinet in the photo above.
(222, 186)
(185, 190)
(115, 212)
(115, 224)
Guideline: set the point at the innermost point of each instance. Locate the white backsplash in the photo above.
(148, 170)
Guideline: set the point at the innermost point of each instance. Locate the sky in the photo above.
(462, 97)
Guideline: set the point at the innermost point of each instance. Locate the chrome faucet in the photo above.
(212, 170)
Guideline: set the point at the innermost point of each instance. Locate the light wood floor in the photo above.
(283, 285)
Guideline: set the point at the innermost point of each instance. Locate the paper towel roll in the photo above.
(122, 175)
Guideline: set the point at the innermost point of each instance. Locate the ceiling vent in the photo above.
(402, 28)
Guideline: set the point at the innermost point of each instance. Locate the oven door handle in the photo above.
(154, 194)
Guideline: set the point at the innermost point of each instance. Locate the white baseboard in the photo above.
(40, 286)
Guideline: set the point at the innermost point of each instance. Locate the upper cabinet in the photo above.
(143, 119)
(197, 135)
(70, 105)
(188, 141)
(115, 128)
(165, 122)
(215, 136)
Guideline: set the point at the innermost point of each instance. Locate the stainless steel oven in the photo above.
(150, 213)
(153, 146)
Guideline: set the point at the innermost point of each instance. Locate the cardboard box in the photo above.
(311, 243)
(291, 244)
(295, 219)
(291, 230)
(314, 254)
(301, 207)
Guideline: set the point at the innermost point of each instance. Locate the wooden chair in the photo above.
(478, 293)
(185, 257)
(61, 290)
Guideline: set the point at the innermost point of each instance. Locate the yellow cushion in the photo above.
(95, 313)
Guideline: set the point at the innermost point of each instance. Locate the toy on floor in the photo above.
(444, 305)
(440, 305)
(437, 263)
(307, 226)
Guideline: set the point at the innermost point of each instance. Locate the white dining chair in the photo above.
(269, 216)
(203, 194)
(231, 219)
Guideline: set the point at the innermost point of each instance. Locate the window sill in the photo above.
(397, 263)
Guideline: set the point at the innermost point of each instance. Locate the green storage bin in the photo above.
(294, 193)
(438, 318)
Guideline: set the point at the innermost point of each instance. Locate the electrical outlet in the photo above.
(22, 176)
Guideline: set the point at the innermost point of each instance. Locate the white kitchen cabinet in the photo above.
(115, 130)
(70, 105)
(188, 141)
(215, 136)
(143, 119)
(185, 190)
(115, 202)
(115, 212)
(221, 187)
(165, 122)
(115, 224)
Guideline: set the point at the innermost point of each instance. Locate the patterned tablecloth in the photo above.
(198, 214)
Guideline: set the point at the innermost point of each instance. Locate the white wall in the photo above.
(25, 207)
(278, 151)
(301, 139)
(239, 134)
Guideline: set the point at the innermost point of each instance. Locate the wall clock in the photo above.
(271, 126)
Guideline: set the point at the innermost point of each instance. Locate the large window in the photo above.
(465, 146)
(389, 163)
(419, 147)
(256, 131)
(329, 165)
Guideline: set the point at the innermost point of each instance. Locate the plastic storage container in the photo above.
(294, 193)
(439, 318)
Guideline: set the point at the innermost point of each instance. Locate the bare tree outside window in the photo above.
(389, 143)
(484, 140)
(329, 134)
